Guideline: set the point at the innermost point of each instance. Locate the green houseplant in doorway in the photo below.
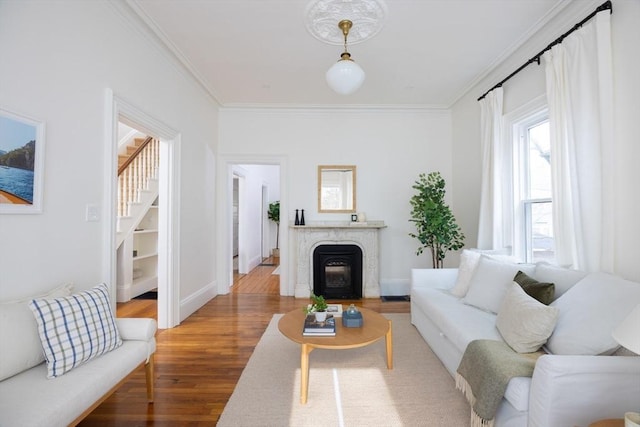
(436, 227)
(274, 215)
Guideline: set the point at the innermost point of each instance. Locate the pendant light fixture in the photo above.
(358, 20)
(345, 76)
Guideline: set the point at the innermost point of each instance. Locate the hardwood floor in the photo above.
(198, 363)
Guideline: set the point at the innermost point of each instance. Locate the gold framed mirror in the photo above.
(336, 189)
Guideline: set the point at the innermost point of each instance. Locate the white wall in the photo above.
(529, 84)
(389, 147)
(58, 60)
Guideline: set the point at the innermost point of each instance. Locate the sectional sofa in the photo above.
(584, 377)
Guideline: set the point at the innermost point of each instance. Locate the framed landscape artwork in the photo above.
(21, 164)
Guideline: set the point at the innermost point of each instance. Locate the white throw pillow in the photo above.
(524, 322)
(468, 261)
(562, 278)
(75, 329)
(21, 348)
(490, 281)
(589, 312)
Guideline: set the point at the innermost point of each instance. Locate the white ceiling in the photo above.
(259, 52)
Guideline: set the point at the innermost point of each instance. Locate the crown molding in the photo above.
(553, 24)
(346, 109)
(137, 20)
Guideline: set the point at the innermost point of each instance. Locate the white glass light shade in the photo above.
(345, 77)
(627, 333)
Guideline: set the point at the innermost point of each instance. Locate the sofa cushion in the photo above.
(589, 312)
(75, 329)
(562, 278)
(524, 322)
(490, 281)
(30, 399)
(21, 348)
(468, 261)
(460, 323)
(541, 291)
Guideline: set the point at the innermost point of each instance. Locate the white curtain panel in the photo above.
(495, 156)
(579, 94)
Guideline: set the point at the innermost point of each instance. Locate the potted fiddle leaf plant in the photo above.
(274, 215)
(318, 306)
(436, 226)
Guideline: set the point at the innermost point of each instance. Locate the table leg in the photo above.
(389, 340)
(304, 372)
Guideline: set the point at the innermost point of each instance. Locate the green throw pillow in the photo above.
(541, 291)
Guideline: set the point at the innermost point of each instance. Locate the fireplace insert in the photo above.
(337, 271)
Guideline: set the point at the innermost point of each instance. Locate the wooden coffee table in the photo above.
(375, 327)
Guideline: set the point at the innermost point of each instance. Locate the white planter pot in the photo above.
(321, 316)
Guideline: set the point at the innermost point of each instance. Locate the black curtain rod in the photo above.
(604, 6)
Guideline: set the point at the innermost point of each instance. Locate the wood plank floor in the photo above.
(199, 362)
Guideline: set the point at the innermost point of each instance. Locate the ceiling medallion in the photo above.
(368, 17)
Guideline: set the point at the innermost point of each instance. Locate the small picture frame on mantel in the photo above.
(21, 163)
(354, 217)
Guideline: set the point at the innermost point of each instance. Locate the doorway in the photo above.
(254, 187)
(261, 182)
(138, 200)
(168, 193)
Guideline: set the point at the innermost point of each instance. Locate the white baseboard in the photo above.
(390, 287)
(254, 262)
(123, 293)
(193, 302)
(302, 291)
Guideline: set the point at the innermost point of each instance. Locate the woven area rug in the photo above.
(346, 387)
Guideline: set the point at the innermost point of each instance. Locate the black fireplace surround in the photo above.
(337, 271)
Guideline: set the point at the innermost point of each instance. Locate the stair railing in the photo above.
(135, 172)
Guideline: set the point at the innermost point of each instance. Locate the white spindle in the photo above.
(137, 175)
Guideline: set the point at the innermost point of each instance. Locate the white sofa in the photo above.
(575, 388)
(29, 398)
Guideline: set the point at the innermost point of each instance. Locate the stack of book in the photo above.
(313, 328)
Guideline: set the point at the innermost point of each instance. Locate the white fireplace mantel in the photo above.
(365, 235)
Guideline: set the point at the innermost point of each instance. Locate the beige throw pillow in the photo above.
(524, 322)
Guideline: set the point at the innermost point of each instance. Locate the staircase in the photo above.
(137, 184)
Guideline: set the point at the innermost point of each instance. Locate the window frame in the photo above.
(516, 125)
(527, 221)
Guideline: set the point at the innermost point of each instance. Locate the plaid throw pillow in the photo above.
(75, 329)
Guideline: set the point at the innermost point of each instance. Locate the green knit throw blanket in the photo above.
(483, 375)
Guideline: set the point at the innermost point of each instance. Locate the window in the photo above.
(532, 195)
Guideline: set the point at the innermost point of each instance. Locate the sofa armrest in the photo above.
(141, 329)
(435, 278)
(578, 390)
